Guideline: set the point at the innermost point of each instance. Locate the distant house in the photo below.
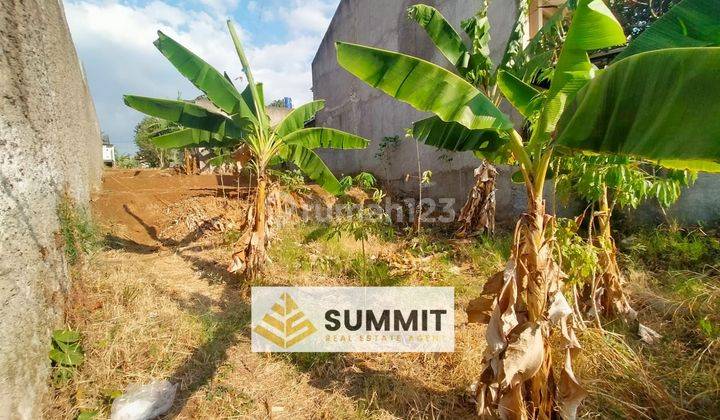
(108, 151)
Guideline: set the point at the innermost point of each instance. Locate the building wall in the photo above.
(50, 147)
(353, 106)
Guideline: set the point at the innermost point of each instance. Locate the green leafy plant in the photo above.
(147, 129)
(66, 355)
(78, 231)
(293, 180)
(608, 182)
(240, 123)
(618, 110)
(360, 224)
(125, 161)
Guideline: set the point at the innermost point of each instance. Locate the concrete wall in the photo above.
(355, 107)
(49, 147)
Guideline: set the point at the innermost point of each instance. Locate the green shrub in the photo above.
(126, 161)
(669, 248)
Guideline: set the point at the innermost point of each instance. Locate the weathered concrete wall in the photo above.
(355, 107)
(49, 147)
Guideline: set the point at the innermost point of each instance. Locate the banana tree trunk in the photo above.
(478, 214)
(251, 259)
(609, 293)
(255, 252)
(523, 306)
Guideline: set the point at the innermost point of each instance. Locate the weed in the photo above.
(305, 362)
(668, 248)
(373, 272)
(66, 355)
(79, 234)
(293, 180)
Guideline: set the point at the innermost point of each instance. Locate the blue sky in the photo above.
(114, 40)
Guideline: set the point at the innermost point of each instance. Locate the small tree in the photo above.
(607, 183)
(241, 123)
(145, 131)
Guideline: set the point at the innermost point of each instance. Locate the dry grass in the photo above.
(168, 309)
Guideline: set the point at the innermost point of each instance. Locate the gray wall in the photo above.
(355, 107)
(49, 147)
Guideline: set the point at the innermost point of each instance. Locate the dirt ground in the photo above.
(156, 302)
(159, 304)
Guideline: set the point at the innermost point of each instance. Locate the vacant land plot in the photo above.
(156, 302)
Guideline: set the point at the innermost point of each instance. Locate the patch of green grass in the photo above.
(372, 272)
(670, 248)
(288, 250)
(305, 362)
(489, 253)
(80, 235)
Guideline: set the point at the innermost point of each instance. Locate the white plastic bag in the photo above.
(144, 402)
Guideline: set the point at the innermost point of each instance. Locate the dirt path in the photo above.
(159, 305)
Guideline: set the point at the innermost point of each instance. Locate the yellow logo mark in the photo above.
(285, 325)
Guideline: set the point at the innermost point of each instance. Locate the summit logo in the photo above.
(353, 319)
(285, 325)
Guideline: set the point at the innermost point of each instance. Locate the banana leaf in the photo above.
(312, 166)
(454, 137)
(442, 34)
(593, 27)
(661, 105)
(690, 23)
(185, 137)
(324, 138)
(424, 85)
(518, 93)
(218, 89)
(186, 114)
(297, 118)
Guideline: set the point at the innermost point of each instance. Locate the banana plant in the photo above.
(474, 64)
(607, 183)
(241, 122)
(653, 104)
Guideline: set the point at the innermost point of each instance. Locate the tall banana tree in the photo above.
(610, 182)
(240, 121)
(648, 104)
(474, 64)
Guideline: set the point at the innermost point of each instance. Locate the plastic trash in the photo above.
(647, 334)
(144, 402)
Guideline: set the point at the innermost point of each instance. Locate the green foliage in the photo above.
(125, 161)
(293, 180)
(628, 182)
(79, 233)
(87, 415)
(387, 144)
(66, 355)
(147, 129)
(243, 120)
(635, 16)
(670, 248)
(578, 257)
(372, 273)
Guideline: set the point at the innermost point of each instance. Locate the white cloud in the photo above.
(114, 40)
(220, 7)
(312, 16)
